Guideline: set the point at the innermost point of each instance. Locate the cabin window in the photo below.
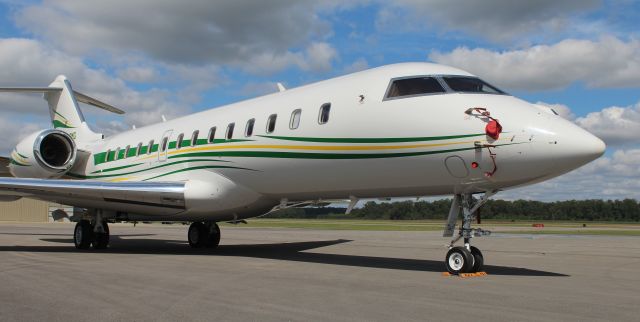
(414, 86)
(139, 149)
(295, 119)
(230, 128)
(150, 147)
(164, 144)
(212, 134)
(126, 151)
(248, 130)
(108, 157)
(323, 116)
(271, 123)
(179, 141)
(117, 156)
(194, 138)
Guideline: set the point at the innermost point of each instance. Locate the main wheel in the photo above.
(213, 235)
(197, 235)
(478, 259)
(83, 234)
(102, 239)
(459, 260)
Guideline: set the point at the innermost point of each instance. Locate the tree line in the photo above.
(578, 210)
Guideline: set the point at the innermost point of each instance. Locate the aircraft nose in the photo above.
(576, 147)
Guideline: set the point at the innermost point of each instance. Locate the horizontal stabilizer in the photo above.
(79, 96)
(92, 101)
(30, 89)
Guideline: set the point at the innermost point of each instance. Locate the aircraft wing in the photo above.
(149, 198)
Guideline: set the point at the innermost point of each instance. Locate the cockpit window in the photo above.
(470, 85)
(414, 86)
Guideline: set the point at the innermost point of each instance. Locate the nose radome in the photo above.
(576, 147)
(593, 146)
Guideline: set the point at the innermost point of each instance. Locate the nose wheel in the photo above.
(467, 258)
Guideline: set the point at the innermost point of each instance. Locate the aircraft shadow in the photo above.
(280, 251)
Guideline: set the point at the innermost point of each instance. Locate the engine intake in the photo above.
(55, 150)
(44, 154)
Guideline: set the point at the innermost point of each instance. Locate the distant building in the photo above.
(29, 210)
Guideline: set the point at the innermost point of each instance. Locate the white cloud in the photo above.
(202, 32)
(496, 20)
(26, 62)
(138, 74)
(607, 62)
(615, 125)
(317, 57)
(359, 64)
(13, 131)
(614, 177)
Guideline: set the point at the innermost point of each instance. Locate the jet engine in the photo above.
(45, 154)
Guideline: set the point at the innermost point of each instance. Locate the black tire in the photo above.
(101, 240)
(213, 235)
(478, 260)
(197, 235)
(83, 234)
(458, 260)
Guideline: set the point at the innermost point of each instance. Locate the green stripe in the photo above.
(22, 156)
(101, 157)
(304, 155)
(370, 140)
(12, 161)
(117, 168)
(58, 124)
(197, 168)
(81, 176)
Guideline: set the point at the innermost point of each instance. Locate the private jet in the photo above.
(401, 130)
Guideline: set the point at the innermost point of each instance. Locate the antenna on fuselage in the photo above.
(164, 119)
(281, 87)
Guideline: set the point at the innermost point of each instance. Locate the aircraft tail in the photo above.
(65, 113)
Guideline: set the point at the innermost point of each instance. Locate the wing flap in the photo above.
(154, 198)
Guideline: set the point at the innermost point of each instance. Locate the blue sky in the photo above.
(170, 57)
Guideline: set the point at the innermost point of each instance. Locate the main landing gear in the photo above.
(467, 258)
(205, 234)
(91, 233)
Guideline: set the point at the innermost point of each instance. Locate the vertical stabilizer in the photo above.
(65, 114)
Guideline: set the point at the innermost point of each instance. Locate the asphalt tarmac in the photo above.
(150, 274)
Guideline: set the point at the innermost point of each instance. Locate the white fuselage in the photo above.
(369, 147)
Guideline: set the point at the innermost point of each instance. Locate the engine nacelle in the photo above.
(45, 154)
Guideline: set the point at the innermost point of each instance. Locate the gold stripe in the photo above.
(316, 147)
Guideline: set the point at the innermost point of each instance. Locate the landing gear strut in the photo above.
(205, 234)
(467, 258)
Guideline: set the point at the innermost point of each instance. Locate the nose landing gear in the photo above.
(467, 258)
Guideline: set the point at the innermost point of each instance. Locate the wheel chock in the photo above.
(465, 275)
